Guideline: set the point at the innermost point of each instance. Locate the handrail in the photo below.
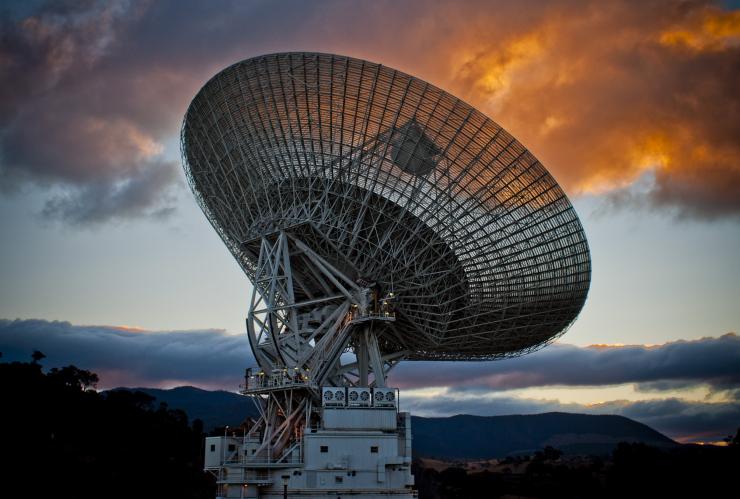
(261, 381)
(356, 314)
(264, 461)
(289, 456)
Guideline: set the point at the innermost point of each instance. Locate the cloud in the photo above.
(213, 359)
(707, 361)
(73, 120)
(607, 93)
(603, 93)
(684, 420)
(205, 357)
(143, 193)
(132, 357)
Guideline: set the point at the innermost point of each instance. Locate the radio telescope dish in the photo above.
(393, 182)
(379, 218)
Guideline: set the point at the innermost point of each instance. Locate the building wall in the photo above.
(367, 463)
(352, 418)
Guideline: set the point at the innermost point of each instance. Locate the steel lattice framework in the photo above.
(357, 176)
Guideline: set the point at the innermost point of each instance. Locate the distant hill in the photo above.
(215, 408)
(455, 437)
(478, 437)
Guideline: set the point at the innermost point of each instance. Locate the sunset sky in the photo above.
(634, 107)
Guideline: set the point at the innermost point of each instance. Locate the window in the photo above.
(213, 447)
(232, 447)
(324, 448)
(338, 479)
(374, 449)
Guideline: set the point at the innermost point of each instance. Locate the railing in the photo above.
(281, 379)
(383, 313)
(263, 462)
(290, 457)
(258, 477)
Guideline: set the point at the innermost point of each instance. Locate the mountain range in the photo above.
(454, 437)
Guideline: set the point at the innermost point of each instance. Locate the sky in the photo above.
(107, 262)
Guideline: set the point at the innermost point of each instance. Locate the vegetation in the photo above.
(633, 470)
(63, 439)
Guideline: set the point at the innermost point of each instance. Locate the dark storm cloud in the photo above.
(453, 402)
(92, 92)
(693, 421)
(68, 118)
(712, 361)
(124, 356)
(603, 93)
(130, 357)
(206, 356)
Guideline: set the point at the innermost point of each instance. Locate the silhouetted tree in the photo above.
(733, 441)
(551, 453)
(73, 377)
(37, 356)
(70, 441)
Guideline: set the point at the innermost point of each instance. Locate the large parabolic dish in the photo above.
(396, 183)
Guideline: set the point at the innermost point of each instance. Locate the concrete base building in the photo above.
(360, 450)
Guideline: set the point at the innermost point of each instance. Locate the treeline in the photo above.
(633, 470)
(61, 438)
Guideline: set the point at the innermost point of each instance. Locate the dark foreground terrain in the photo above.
(633, 470)
(61, 438)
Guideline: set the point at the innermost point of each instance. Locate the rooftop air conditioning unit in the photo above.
(384, 397)
(333, 396)
(358, 397)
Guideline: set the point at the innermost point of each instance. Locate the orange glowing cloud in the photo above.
(711, 30)
(129, 329)
(602, 93)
